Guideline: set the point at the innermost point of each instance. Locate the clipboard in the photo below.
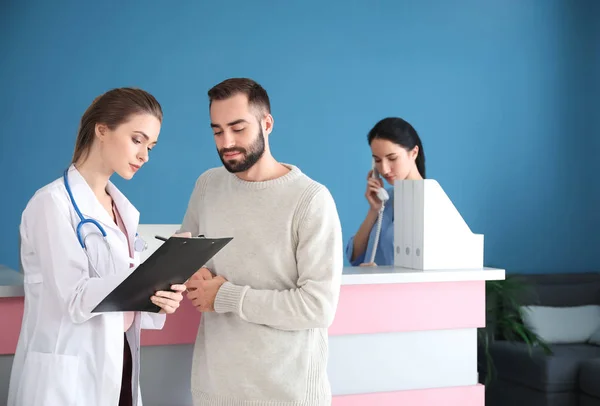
(174, 262)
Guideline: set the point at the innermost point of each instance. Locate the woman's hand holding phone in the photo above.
(373, 185)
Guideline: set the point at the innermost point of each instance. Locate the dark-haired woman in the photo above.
(397, 155)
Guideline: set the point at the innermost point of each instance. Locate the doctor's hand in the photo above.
(202, 292)
(373, 185)
(169, 301)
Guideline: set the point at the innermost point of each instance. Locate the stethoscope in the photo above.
(139, 244)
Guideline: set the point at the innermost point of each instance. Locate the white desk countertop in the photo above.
(11, 281)
(390, 274)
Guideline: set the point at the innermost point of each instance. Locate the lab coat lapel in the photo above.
(86, 200)
(129, 214)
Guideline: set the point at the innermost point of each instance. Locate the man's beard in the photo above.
(250, 157)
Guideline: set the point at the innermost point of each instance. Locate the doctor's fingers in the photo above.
(161, 294)
(168, 309)
(168, 305)
(179, 288)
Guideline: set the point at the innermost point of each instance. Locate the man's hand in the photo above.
(201, 274)
(368, 264)
(202, 289)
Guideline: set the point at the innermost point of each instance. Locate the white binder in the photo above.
(429, 232)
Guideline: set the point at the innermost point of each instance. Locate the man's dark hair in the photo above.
(257, 96)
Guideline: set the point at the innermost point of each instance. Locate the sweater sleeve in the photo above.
(191, 220)
(319, 257)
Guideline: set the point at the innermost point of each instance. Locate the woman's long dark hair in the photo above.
(400, 132)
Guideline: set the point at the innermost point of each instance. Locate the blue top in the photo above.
(385, 247)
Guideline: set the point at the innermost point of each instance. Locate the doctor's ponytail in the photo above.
(113, 108)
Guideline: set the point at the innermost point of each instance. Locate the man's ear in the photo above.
(268, 124)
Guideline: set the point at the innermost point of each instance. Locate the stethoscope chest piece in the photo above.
(140, 244)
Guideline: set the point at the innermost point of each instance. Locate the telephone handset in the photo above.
(382, 194)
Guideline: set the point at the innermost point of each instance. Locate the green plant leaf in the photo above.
(504, 320)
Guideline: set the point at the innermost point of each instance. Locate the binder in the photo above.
(429, 231)
(399, 223)
(174, 262)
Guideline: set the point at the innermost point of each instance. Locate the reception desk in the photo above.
(400, 336)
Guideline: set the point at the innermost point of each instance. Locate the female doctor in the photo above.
(67, 355)
(397, 154)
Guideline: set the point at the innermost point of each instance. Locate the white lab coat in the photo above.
(67, 355)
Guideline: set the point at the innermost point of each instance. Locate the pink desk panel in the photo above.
(459, 396)
(180, 328)
(362, 309)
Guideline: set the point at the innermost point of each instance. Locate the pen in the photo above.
(158, 237)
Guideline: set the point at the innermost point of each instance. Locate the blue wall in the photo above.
(497, 89)
(594, 134)
(592, 155)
